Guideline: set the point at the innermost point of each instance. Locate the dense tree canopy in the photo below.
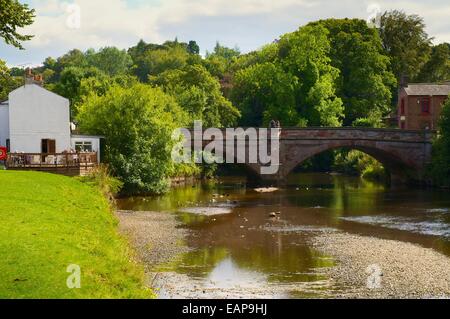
(365, 81)
(14, 15)
(296, 88)
(110, 60)
(137, 122)
(440, 168)
(406, 42)
(265, 92)
(198, 93)
(8, 82)
(437, 68)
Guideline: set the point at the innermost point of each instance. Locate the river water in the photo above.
(242, 239)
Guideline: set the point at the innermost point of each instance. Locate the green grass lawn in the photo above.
(49, 222)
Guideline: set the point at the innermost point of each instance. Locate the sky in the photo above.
(61, 25)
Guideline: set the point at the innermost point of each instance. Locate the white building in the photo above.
(35, 120)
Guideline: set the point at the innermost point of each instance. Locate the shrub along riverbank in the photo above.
(50, 222)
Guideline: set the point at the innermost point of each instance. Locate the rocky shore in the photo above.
(156, 236)
(369, 267)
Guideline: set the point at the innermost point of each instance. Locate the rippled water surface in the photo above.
(243, 238)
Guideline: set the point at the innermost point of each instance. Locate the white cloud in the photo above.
(247, 22)
(103, 22)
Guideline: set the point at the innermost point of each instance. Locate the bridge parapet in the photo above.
(358, 134)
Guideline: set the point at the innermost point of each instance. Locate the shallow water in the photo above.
(243, 239)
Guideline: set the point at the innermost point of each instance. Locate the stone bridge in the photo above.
(404, 153)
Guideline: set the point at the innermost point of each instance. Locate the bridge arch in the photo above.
(395, 166)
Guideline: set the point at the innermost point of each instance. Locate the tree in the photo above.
(157, 61)
(110, 60)
(7, 82)
(219, 61)
(52, 68)
(305, 54)
(70, 82)
(137, 123)
(405, 41)
(437, 68)
(15, 15)
(365, 81)
(297, 86)
(224, 52)
(198, 93)
(193, 47)
(440, 167)
(264, 92)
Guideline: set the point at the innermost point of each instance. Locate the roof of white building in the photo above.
(36, 86)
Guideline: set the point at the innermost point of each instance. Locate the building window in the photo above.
(83, 146)
(8, 145)
(425, 105)
(402, 107)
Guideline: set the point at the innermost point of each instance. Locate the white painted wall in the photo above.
(86, 138)
(4, 124)
(35, 114)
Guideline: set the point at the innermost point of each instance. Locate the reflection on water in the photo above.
(242, 242)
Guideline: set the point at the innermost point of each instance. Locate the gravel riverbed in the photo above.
(365, 267)
(376, 268)
(156, 236)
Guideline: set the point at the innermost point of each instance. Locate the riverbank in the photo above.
(156, 236)
(394, 269)
(51, 222)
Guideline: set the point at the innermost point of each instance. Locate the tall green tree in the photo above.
(110, 60)
(298, 87)
(405, 41)
(219, 61)
(7, 82)
(157, 61)
(137, 123)
(14, 15)
(70, 82)
(437, 68)
(265, 92)
(198, 93)
(193, 47)
(224, 52)
(440, 168)
(365, 79)
(305, 54)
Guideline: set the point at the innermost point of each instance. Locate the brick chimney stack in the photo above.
(33, 79)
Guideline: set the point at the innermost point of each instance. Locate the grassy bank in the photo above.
(49, 222)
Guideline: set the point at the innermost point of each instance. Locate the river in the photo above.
(243, 239)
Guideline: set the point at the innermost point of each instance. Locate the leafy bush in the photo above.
(137, 123)
(356, 162)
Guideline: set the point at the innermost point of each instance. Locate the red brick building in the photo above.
(420, 105)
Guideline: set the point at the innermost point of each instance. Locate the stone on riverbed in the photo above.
(266, 190)
(207, 211)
